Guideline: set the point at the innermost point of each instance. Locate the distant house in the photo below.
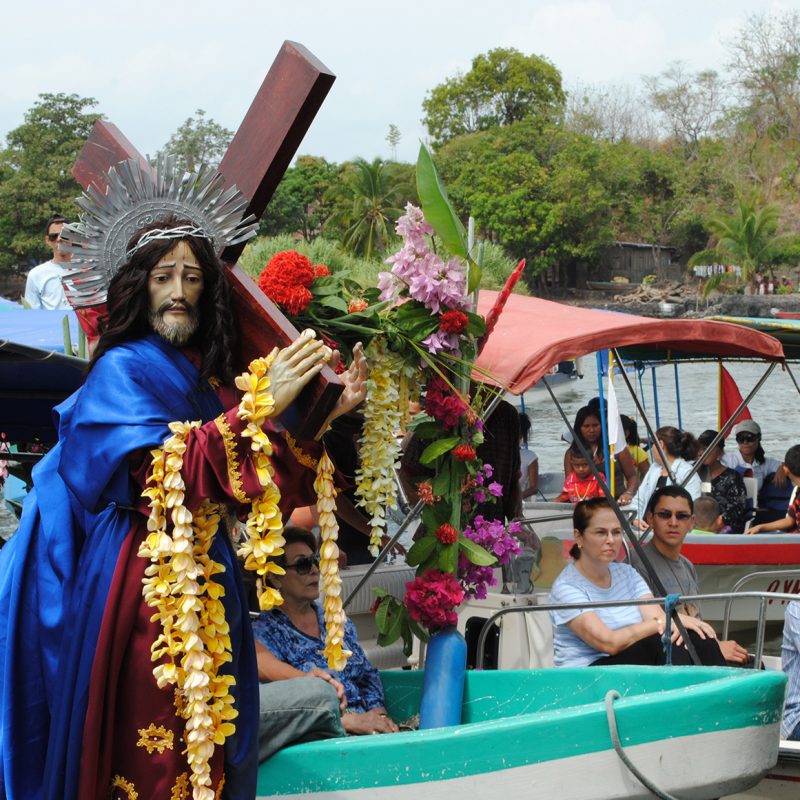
(634, 260)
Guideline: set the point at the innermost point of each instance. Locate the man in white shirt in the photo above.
(43, 287)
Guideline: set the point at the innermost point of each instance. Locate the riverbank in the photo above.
(683, 301)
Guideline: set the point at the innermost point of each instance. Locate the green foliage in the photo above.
(198, 141)
(301, 202)
(36, 173)
(502, 87)
(747, 238)
(367, 202)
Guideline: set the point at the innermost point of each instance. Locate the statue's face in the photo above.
(175, 285)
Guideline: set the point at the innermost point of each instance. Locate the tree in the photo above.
(36, 173)
(370, 200)
(746, 239)
(393, 138)
(610, 113)
(198, 141)
(301, 202)
(691, 103)
(502, 87)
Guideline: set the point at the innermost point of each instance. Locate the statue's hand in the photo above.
(355, 383)
(293, 368)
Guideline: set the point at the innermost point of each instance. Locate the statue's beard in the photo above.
(176, 333)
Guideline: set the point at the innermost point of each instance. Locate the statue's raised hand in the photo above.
(294, 367)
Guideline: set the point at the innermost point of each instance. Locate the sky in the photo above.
(151, 65)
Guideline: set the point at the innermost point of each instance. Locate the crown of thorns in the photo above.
(138, 196)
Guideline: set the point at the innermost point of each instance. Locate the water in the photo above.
(774, 407)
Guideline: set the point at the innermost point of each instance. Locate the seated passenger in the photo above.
(707, 515)
(581, 483)
(679, 448)
(294, 634)
(638, 453)
(727, 486)
(621, 634)
(750, 459)
(529, 461)
(791, 522)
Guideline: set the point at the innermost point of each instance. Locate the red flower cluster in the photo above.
(446, 533)
(321, 271)
(425, 493)
(464, 452)
(432, 598)
(453, 322)
(356, 305)
(287, 278)
(441, 404)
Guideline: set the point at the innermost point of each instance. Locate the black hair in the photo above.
(706, 511)
(54, 218)
(582, 516)
(576, 452)
(294, 534)
(581, 417)
(631, 429)
(524, 426)
(792, 460)
(128, 310)
(759, 456)
(668, 491)
(678, 444)
(705, 439)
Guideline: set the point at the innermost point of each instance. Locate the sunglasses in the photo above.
(53, 237)
(681, 516)
(304, 564)
(745, 438)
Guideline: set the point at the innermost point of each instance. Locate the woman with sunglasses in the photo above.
(750, 460)
(290, 639)
(610, 635)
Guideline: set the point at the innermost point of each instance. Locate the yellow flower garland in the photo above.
(194, 641)
(264, 525)
(335, 617)
(379, 447)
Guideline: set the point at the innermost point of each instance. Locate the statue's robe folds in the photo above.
(79, 706)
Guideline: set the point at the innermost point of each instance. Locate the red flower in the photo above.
(441, 404)
(446, 533)
(296, 299)
(425, 492)
(453, 322)
(463, 452)
(321, 271)
(431, 599)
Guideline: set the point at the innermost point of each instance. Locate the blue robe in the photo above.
(55, 573)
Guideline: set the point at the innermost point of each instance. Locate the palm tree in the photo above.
(371, 202)
(746, 239)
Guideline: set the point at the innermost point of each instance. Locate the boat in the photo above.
(619, 287)
(546, 733)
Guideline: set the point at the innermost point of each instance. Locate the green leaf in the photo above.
(438, 448)
(418, 631)
(328, 284)
(378, 592)
(475, 553)
(448, 557)
(474, 275)
(381, 615)
(441, 483)
(394, 628)
(420, 550)
(332, 301)
(436, 207)
(427, 430)
(476, 325)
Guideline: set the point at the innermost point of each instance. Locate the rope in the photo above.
(670, 601)
(611, 696)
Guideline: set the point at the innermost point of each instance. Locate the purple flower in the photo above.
(439, 341)
(496, 489)
(480, 496)
(489, 470)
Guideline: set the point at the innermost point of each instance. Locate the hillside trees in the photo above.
(35, 173)
(198, 141)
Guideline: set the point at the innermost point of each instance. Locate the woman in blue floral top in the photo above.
(294, 635)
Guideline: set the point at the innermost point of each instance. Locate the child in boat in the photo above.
(791, 522)
(707, 516)
(580, 484)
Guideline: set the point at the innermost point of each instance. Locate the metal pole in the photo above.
(678, 394)
(603, 421)
(655, 396)
(791, 375)
(385, 552)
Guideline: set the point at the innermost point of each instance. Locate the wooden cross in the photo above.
(255, 162)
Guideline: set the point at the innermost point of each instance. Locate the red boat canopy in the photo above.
(533, 335)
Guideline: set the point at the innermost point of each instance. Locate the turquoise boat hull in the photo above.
(696, 732)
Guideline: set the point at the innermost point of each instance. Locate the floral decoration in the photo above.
(335, 618)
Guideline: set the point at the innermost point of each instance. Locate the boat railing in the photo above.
(763, 597)
(744, 580)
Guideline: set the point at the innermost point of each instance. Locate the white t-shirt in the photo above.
(572, 587)
(43, 287)
(733, 458)
(526, 458)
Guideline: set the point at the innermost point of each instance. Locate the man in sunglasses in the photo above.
(670, 512)
(43, 288)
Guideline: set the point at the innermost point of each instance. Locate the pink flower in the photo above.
(496, 489)
(493, 536)
(441, 341)
(432, 598)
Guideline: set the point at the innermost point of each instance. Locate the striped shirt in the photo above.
(790, 661)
